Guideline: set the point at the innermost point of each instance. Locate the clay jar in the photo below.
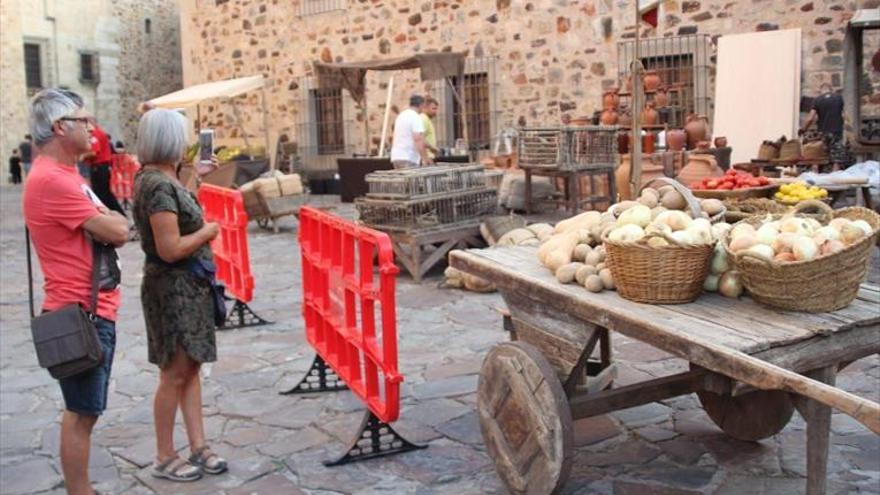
(609, 117)
(676, 139)
(650, 170)
(610, 99)
(697, 129)
(625, 118)
(721, 142)
(649, 115)
(703, 145)
(699, 166)
(661, 98)
(651, 80)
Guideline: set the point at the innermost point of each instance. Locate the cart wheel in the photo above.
(263, 223)
(750, 417)
(525, 419)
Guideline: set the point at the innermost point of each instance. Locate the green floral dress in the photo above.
(178, 307)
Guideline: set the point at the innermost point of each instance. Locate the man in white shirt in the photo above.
(408, 147)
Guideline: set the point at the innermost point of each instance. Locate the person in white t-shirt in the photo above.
(408, 146)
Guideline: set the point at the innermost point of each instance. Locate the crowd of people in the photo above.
(68, 216)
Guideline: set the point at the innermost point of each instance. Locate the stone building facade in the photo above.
(544, 60)
(115, 53)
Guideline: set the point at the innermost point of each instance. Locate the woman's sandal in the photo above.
(206, 459)
(177, 469)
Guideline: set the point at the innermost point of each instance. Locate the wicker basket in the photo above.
(671, 274)
(746, 192)
(824, 284)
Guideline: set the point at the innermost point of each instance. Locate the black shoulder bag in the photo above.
(66, 339)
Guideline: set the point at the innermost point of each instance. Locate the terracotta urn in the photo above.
(651, 80)
(699, 166)
(661, 97)
(697, 129)
(650, 170)
(629, 83)
(625, 118)
(649, 115)
(703, 145)
(720, 142)
(609, 117)
(610, 99)
(676, 139)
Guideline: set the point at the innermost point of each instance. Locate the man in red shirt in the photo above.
(100, 157)
(64, 217)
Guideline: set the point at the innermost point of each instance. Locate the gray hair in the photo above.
(162, 137)
(46, 108)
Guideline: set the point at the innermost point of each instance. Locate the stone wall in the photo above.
(554, 57)
(132, 65)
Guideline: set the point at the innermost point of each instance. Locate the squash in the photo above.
(515, 237)
(560, 253)
(583, 221)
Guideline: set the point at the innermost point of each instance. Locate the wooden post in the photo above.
(363, 104)
(635, 171)
(461, 105)
(269, 154)
(387, 114)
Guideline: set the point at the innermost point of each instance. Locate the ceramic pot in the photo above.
(699, 166)
(650, 170)
(649, 115)
(676, 139)
(651, 80)
(609, 117)
(721, 142)
(648, 143)
(581, 121)
(703, 145)
(629, 83)
(697, 129)
(625, 118)
(610, 99)
(661, 97)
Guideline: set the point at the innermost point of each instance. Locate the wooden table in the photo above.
(531, 389)
(572, 198)
(352, 174)
(419, 250)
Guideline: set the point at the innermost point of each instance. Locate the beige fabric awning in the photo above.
(193, 95)
(350, 75)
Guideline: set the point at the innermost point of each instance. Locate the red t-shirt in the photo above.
(56, 203)
(100, 147)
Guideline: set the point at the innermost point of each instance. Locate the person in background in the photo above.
(177, 299)
(26, 150)
(99, 161)
(64, 218)
(827, 112)
(408, 146)
(15, 168)
(429, 112)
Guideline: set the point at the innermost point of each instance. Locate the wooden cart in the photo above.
(749, 366)
(265, 210)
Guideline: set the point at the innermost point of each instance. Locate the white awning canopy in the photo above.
(193, 95)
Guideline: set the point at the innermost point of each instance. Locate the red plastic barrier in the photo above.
(123, 168)
(226, 207)
(340, 295)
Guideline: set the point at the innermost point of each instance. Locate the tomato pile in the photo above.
(732, 179)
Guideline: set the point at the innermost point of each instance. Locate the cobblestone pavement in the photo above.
(276, 443)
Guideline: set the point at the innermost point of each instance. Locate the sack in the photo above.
(66, 341)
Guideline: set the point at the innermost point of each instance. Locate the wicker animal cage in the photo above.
(427, 211)
(568, 148)
(424, 182)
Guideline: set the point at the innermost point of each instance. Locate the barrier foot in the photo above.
(242, 316)
(375, 439)
(319, 378)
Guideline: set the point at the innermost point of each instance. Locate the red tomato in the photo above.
(712, 184)
(696, 185)
(725, 186)
(763, 181)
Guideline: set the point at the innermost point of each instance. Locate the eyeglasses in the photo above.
(82, 120)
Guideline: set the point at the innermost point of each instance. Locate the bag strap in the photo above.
(96, 267)
(27, 240)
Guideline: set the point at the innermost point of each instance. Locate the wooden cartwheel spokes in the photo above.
(525, 419)
(752, 416)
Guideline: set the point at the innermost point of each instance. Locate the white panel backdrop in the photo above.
(757, 89)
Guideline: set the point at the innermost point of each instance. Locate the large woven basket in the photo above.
(824, 284)
(671, 274)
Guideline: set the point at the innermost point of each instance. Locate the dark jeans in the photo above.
(86, 393)
(100, 175)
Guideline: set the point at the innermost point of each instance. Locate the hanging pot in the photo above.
(651, 80)
(676, 139)
(610, 99)
(697, 129)
(649, 115)
(721, 142)
(609, 117)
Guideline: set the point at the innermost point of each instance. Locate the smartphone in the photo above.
(206, 146)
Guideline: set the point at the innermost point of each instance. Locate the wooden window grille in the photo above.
(329, 121)
(475, 90)
(33, 66)
(314, 7)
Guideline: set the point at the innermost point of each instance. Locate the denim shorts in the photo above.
(86, 393)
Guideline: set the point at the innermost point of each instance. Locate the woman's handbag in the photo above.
(66, 339)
